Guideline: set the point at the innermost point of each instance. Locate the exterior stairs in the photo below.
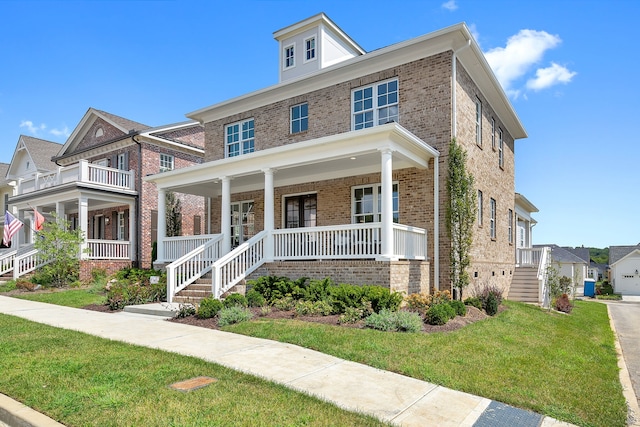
(524, 285)
(201, 289)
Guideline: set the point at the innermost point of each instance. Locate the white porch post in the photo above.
(83, 221)
(60, 210)
(162, 225)
(269, 223)
(132, 231)
(225, 215)
(387, 204)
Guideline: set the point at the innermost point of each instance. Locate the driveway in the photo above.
(626, 318)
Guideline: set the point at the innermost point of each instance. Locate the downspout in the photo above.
(139, 209)
(436, 222)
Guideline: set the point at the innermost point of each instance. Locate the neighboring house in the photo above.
(95, 181)
(572, 263)
(5, 191)
(340, 169)
(624, 262)
(524, 229)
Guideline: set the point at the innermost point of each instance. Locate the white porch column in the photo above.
(83, 221)
(387, 204)
(225, 215)
(133, 232)
(162, 225)
(60, 210)
(269, 223)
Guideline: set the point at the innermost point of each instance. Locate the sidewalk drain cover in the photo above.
(193, 383)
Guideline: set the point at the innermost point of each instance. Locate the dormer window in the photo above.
(289, 59)
(310, 49)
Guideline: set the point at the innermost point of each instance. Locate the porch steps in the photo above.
(524, 285)
(201, 289)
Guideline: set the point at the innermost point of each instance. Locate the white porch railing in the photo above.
(7, 261)
(176, 247)
(528, 257)
(82, 172)
(409, 242)
(108, 249)
(543, 286)
(28, 261)
(232, 268)
(191, 266)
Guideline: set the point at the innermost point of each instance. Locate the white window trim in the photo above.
(239, 203)
(510, 229)
(167, 157)
(283, 205)
(120, 158)
(480, 207)
(240, 140)
(291, 118)
(500, 149)
(284, 56)
(375, 186)
(478, 122)
(315, 49)
(101, 162)
(121, 226)
(376, 107)
(493, 133)
(492, 220)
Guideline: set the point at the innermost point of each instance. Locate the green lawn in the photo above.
(70, 298)
(82, 380)
(564, 366)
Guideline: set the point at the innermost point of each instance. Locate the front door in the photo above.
(301, 211)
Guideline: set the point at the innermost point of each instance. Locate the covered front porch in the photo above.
(337, 198)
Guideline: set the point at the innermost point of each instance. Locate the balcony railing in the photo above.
(82, 172)
(528, 257)
(108, 249)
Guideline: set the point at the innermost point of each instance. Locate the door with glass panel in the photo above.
(301, 211)
(242, 222)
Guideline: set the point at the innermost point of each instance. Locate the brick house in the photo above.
(95, 181)
(340, 168)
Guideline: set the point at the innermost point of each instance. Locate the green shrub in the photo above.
(418, 302)
(491, 305)
(273, 287)
(351, 315)
(474, 302)
(344, 296)
(458, 307)
(387, 320)
(313, 308)
(255, 298)
(439, 314)
(235, 314)
(319, 290)
(209, 307)
(235, 299)
(185, 310)
(285, 303)
(485, 291)
(381, 298)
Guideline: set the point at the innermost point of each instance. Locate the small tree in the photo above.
(61, 245)
(460, 215)
(173, 215)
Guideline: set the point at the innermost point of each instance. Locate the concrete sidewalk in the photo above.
(391, 397)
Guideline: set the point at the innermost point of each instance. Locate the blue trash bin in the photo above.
(590, 288)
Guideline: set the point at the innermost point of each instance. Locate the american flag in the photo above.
(11, 227)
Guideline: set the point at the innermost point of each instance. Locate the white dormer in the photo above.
(311, 45)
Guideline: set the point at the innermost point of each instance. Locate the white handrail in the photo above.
(7, 261)
(543, 291)
(232, 268)
(177, 246)
(528, 257)
(28, 262)
(191, 266)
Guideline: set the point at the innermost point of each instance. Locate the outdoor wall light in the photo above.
(106, 222)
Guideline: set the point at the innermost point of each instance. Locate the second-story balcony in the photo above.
(83, 172)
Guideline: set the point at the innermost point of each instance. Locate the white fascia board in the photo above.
(354, 143)
(320, 20)
(182, 147)
(525, 204)
(96, 151)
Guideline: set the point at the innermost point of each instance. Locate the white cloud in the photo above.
(33, 129)
(61, 132)
(450, 5)
(522, 52)
(550, 76)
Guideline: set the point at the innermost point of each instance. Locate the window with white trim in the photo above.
(121, 226)
(299, 118)
(289, 56)
(510, 226)
(375, 105)
(492, 223)
(366, 203)
(242, 222)
(478, 122)
(166, 162)
(493, 133)
(121, 162)
(310, 49)
(500, 149)
(479, 208)
(239, 138)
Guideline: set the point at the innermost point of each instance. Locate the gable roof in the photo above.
(559, 254)
(635, 251)
(616, 253)
(188, 134)
(456, 38)
(4, 168)
(582, 253)
(40, 151)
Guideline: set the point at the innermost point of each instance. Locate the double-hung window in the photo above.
(166, 162)
(510, 226)
(240, 138)
(479, 208)
(492, 225)
(478, 122)
(299, 118)
(367, 203)
(375, 105)
(121, 226)
(500, 149)
(310, 49)
(289, 56)
(493, 133)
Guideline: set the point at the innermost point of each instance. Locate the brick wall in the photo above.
(87, 266)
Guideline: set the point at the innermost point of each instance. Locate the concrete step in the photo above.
(162, 309)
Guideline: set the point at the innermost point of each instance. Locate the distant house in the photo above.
(624, 262)
(5, 191)
(340, 168)
(95, 181)
(572, 263)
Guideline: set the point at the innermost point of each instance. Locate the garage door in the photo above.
(628, 284)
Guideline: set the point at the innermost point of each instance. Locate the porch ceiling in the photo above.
(336, 156)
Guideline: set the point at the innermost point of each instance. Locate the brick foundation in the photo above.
(110, 266)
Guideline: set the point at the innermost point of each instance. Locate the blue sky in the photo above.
(569, 68)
